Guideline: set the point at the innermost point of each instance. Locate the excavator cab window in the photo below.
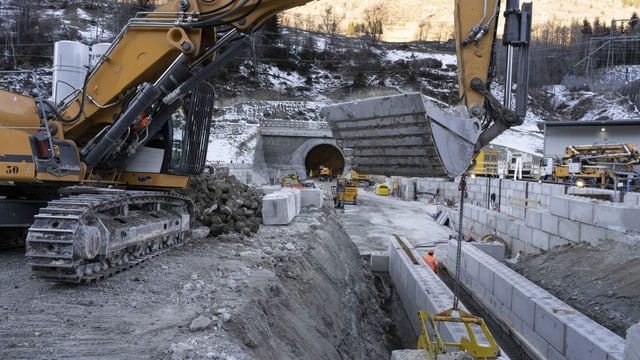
(188, 131)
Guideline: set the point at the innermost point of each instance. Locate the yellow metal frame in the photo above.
(469, 345)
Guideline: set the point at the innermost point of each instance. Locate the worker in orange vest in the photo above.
(431, 261)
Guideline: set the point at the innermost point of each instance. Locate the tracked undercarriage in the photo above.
(89, 235)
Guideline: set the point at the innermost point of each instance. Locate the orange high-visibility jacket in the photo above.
(431, 262)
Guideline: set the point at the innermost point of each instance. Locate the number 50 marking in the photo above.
(12, 169)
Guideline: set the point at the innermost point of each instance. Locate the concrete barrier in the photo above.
(279, 208)
(551, 328)
(632, 350)
(419, 288)
(311, 197)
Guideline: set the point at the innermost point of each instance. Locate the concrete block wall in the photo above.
(549, 328)
(632, 350)
(311, 197)
(548, 218)
(419, 288)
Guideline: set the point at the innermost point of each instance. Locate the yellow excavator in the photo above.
(90, 173)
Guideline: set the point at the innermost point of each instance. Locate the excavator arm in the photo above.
(146, 97)
(407, 135)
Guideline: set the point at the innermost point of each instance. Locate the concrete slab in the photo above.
(409, 355)
(632, 343)
(379, 261)
(278, 208)
(311, 197)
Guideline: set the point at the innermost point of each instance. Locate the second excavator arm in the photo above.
(406, 135)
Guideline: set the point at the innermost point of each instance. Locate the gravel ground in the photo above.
(285, 292)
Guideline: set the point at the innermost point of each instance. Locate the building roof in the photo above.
(593, 123)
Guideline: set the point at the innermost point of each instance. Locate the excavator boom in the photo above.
(408, 135)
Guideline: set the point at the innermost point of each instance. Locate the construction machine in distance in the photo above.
(598, 165)
(363, 180)
(345, 191)
(325, 174)
(290, 180)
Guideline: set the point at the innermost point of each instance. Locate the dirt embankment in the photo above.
(285, 292)
(602, 282)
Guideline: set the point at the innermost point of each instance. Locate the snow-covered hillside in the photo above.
(528, 138)
(255, 92)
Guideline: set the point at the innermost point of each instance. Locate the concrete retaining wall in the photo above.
(546, 327)
(420, 288)
(552, 329)
(536, 217)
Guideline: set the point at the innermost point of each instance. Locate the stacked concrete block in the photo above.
(379, 261)
(549, 328)
(419, 288)
(632, 348)
(280, 207)
(245, 176)
(493, 249)
(409, 355)
(428, 186)
(617, 215)
(268, 189)
(631, 198)
(297, 197)
(311, 197)
(575, 190)
(546, 219)
(581, 209)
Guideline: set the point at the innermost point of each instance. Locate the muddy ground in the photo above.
(285, 292)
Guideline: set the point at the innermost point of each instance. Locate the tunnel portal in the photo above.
(324, 155)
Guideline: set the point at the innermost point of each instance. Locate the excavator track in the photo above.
(89, 236)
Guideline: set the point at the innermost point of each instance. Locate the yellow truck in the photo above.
(345, 191)
(486, 163)
(325, 174)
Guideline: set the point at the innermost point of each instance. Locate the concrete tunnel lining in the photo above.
(301, 153)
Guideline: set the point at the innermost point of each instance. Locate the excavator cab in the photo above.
(409, 135)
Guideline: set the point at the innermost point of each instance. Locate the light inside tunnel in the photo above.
(324, 155)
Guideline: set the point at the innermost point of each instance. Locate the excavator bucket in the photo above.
(403, 135)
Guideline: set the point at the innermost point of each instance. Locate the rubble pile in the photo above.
(224, 204)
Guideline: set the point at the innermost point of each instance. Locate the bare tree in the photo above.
(423, 30)
(330, 22)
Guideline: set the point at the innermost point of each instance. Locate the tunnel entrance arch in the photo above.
(326, 155)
